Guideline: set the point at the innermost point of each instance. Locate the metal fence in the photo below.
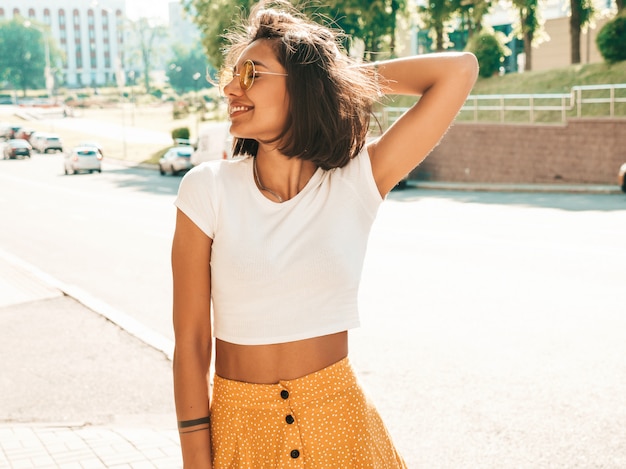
(587, 100)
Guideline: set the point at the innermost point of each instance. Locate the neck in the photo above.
(281, 178)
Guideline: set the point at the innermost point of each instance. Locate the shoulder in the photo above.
(214, 172)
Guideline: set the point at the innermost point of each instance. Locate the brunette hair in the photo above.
(331, 97)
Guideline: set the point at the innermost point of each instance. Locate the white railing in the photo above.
(531, 103)
(611, 99)
(500, 104)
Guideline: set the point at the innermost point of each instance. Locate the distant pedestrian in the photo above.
(269, 247)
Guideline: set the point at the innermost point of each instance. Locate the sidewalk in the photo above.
(77, 391)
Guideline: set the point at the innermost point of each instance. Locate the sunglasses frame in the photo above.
(246, 79)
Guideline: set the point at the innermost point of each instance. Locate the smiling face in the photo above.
(261, 112)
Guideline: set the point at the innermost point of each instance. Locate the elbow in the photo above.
(468, 68)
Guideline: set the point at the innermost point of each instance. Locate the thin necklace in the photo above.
(261, 186)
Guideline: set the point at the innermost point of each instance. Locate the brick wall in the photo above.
(583, 151)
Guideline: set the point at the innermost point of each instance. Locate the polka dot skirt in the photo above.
(320, 421)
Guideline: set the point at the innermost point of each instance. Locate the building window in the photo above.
(46, 17)
(62, 18)
(1, 13)
(31, 13)
(16, 12)
(76, 19)
(90, 19)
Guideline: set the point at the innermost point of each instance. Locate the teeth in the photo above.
(237, 109)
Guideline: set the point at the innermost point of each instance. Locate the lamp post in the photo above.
(47, 73)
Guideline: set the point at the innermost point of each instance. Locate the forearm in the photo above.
(191, 392)
(417, 74)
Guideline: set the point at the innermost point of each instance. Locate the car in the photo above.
(95, 145)
(6, 131)
(24, 133)
(49, 142)
(16, 148)
(176, 160)
(36, 139)
(622, 177)
(82, 159)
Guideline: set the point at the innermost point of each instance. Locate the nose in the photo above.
(233, 88)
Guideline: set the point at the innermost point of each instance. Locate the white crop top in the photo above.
(282, 271)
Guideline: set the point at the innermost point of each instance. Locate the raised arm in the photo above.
(191, 254)
(443, 81)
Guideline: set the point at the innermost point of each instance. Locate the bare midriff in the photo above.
(269, 364)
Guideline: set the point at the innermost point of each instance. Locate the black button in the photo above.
(289, 419)
(295, 453)
(284, 394)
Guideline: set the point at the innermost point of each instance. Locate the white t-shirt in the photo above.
(287, 271)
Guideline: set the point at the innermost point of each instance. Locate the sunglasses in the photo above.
(246, 76)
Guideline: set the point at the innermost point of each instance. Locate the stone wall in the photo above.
(583, 151)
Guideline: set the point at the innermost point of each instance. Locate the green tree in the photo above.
(373, 22)
(580, 16)
(436, 15)
(22, 61)
(472, 13)
(187, 68)
(529, 27)
(611, 39)
(143, 37)
(214, 18)
(489, 51)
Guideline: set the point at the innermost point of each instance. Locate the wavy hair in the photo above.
(331, 97)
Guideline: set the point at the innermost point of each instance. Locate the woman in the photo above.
(276, 241)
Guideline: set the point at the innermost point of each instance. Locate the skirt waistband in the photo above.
(327, 381)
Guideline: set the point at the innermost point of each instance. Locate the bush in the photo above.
(489, 52)
(181, 133)
(611, 39)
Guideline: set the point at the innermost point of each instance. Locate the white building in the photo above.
(88, 33)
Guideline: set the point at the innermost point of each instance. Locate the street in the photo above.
(493, 327)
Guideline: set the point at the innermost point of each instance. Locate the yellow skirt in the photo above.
(322, 420)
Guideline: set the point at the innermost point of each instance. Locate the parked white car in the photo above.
(82, 159)
(176, 160)
(49, 142)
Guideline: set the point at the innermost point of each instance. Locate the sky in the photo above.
(147, 8)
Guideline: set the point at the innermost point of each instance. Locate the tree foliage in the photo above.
(611, 39)
(144, 37)
(187, 68)
(489, 51)
(472, 13)
(435, 16)
(371, 21)
(22, 60)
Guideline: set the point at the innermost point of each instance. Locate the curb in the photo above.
(117, 317)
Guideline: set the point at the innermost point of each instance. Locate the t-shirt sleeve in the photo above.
(198, 197)
(358, 174)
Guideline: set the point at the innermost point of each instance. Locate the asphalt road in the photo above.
(493, 324)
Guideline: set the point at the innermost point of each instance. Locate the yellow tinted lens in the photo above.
(246, 76)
